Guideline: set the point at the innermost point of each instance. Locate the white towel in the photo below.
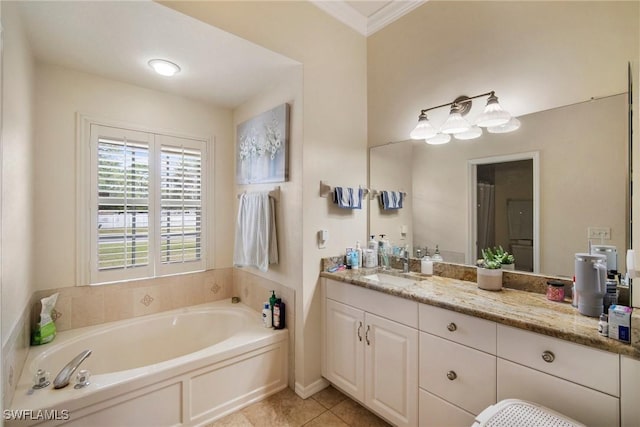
(256, 241)
(348, 198)
(391, 199)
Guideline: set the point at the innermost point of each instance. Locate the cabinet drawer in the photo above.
(583, 404)
(590, 367)
(461, 328)
(435, 412)
(458, 374)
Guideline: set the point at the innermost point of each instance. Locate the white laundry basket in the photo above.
(520, 413)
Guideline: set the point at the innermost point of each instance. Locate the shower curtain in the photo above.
(486, 217)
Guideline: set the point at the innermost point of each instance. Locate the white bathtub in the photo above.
(182, 367)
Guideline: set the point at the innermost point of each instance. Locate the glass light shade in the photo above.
(493, 114)
(510, 126)
(455, 123)
(473, 133)
(423, 129)
(441, 138)
(164, 67)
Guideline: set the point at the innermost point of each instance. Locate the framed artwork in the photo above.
(262, 147)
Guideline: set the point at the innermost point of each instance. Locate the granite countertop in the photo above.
(521, 309)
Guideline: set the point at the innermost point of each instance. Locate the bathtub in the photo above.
(183, 367)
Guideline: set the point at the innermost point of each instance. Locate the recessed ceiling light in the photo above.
(164, 67)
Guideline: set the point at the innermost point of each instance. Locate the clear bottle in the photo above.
(426, 265)
(436, 255)
(359, 251)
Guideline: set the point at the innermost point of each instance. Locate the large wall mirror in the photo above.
(577, 180)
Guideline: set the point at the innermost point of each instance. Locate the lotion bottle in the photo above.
(266, 315)
(359, 252)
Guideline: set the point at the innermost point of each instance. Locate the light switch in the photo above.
(323, 236)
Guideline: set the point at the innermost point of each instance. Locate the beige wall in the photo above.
(535, 55)
(334, 142)
(62, 93)
(17, 170)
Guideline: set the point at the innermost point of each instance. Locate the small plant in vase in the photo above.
(489, 271)
(506, 260)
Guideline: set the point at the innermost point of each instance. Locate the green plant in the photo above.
(495, 257)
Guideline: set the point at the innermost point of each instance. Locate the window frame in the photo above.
(87, 202)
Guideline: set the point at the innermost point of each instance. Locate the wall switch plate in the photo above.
(323, 236)
(603, 233)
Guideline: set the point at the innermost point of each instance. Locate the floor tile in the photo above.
(237, 419)
(327, 419)
(284, 409)
(356, 415)
(329, 397)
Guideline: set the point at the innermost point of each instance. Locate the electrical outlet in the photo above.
(603, 233)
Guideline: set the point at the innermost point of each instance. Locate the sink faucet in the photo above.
(63, 378)
(405, 261)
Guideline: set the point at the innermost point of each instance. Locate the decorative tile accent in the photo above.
(147, 300)
(55, 314)
(215, 288)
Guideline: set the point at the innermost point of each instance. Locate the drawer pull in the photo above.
(452, 327)
(359, 331)
(366, 335)
(548, 356)
(452, 375)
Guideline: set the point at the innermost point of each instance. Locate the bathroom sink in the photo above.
(390, 279)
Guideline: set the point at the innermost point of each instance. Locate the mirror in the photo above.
(582, 155)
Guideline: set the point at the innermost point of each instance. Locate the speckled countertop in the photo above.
(521, 309)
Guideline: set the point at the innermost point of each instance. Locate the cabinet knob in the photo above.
(452, 375)
(452, 327)
(548, 356)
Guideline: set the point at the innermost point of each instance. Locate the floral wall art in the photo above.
(261, 147)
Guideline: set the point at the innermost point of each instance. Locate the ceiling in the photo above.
(365, 16)
(116, 39)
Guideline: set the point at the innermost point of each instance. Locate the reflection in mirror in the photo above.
(582, 151)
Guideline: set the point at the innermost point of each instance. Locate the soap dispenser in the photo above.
(436, 255)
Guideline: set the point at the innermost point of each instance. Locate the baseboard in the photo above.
(311, 389)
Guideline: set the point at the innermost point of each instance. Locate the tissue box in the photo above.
(620, 323)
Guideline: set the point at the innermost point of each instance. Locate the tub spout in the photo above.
(63, 378)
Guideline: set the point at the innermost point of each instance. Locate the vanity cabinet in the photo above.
(629, 392)
(370, 357)
(457, 367)
(575, 380)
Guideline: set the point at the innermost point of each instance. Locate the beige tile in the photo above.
(177, 294)
(237, 419)
(193, 289)
(327, 419)
(88, 309)
(151, 299)
(283, 409)
(357, 415)
(118, 304)
(329, 397)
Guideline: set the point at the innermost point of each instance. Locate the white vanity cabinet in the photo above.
(457, 367)
(629, 392)
(575, 380)
(367, 355)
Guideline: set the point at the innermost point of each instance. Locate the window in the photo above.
(147, 204)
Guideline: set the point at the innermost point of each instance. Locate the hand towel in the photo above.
(391, 199)
(348, 198)
(256, 238)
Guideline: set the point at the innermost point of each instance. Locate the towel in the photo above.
(256, 241)
(348, 198)
(391, 199)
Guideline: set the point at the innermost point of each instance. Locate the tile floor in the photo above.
(327, 408)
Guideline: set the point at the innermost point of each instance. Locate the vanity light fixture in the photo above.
(164, 67)
(494, 118)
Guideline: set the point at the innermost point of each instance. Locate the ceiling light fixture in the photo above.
(164, 67)
(494, 118)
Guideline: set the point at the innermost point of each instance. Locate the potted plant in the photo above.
(506, 260)
(489, 272)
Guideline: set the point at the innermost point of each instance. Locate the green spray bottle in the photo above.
(272, 302)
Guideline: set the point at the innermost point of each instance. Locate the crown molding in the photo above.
(367, 26)
(391, 12)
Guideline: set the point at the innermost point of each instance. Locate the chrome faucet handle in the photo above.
(63, 378)
(41, 379)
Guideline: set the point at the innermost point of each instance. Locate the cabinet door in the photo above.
(435, 412)
(630, 391)
(345, 348)
(391, 368)
(583, 404)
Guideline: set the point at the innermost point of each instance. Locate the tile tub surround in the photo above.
(14, 355)
(521, 309)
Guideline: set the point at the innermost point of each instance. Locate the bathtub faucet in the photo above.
(63, 378)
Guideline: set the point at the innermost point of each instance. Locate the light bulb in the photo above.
(164, 67)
